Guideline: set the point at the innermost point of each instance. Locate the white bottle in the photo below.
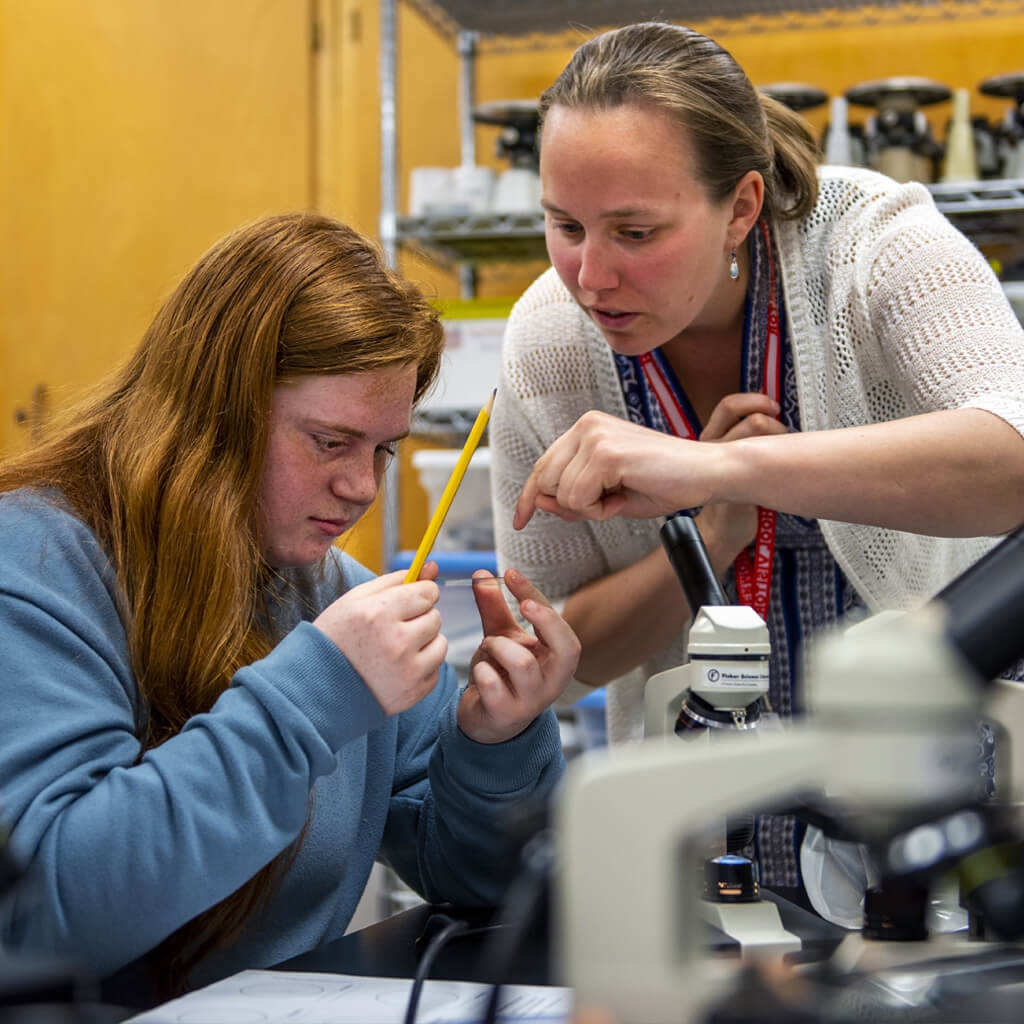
(961, 160)
(837, 148)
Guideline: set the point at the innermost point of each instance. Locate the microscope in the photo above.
(718, 690)
(887, 754)
(726, 674)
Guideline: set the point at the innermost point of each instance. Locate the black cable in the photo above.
(521, 903)
(427, 961)
(438, 941)
(491, 1016)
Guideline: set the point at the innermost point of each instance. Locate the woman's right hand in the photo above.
(390, 631)
(603, 466)
(726, 527)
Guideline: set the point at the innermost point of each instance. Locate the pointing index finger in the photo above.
(526, 504)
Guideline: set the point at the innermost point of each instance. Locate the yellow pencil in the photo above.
(437, 519)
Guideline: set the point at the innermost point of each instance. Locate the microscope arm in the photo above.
(893, 734)
(893, 705)
(984, 608)
(626, 895)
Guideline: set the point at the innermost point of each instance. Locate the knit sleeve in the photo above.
(916, 320)
(893, 312)
(948, 332)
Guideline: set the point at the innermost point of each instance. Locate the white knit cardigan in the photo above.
(891, 312)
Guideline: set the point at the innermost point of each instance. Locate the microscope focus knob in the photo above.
(730, 879)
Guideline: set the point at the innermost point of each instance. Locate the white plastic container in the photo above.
(430, 190)
(469, 525)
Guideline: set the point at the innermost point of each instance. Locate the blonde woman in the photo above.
(849, 353)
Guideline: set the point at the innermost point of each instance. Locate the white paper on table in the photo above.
(287, 997)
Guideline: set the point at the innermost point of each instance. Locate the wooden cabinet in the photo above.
(136, 132)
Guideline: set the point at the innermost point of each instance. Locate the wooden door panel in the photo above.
(135, 133)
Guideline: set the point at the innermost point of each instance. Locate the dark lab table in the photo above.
(392, 948)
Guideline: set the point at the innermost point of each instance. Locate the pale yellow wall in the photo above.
(135, 133)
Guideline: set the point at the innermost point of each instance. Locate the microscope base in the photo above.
(757, 927)
(855, 953)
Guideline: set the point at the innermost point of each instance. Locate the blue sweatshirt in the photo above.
(121, 851)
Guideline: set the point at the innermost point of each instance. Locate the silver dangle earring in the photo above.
(734, 266)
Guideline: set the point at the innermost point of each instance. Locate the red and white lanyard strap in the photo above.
(753, 575)
(668, 401)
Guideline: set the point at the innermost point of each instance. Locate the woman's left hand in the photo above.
(728, 527)
(514, 675)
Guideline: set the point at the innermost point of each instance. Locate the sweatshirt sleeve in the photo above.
(445, 833)
(123, 850)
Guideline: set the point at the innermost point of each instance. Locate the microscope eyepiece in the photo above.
(689, 557)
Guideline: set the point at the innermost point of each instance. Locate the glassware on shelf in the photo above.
(838, 145)
(440, 191)
(961, 162)
(1010, 135)
(898, 137)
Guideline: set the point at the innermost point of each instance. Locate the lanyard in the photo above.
(753, 575)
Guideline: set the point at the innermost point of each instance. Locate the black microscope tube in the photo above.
(689, 557)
